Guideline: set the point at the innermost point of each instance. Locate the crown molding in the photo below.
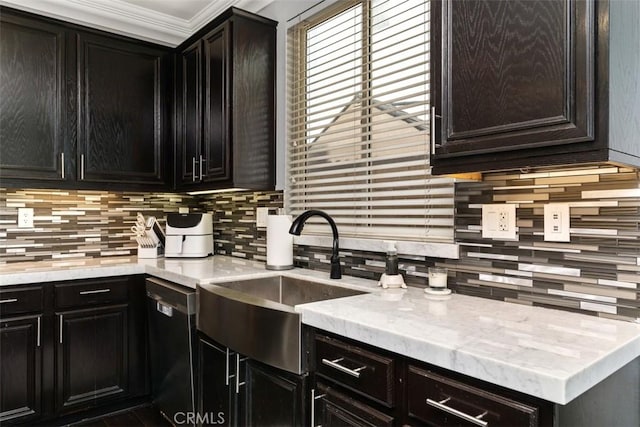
(128, 19)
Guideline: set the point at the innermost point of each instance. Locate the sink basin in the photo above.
(257, 318)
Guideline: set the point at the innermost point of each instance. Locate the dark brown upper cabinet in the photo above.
(32, 100)
(529, 83)
(225, 105)
(81, 108)
(122, 88)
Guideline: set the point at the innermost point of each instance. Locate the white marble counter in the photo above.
(551, 354)
(53, 271)
(186, 272)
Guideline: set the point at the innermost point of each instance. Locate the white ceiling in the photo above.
(168, 22)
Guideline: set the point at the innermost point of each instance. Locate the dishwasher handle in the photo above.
(171, 295)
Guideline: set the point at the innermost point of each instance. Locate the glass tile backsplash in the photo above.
(597, 272)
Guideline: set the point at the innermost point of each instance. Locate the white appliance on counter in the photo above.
(189, 235)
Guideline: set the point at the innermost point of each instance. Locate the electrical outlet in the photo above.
(261, 217)
(499, 221)
(557, 221)
(25, 217)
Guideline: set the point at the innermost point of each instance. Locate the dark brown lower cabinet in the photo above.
(20, 368)
(236, 391)
(92, 356)
(70, 347)
(360, 385)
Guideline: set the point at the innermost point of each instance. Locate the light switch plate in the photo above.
(261, 217)
(25, 217)
(499, 221)
(557, 222)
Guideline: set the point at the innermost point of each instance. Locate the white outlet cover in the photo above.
(25, 217)
(557, 222)
(499, 221)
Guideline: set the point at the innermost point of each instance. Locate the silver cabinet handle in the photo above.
(62, 165)
(61, 328)
(238, 383)
(313, 406)
(194, 169)
(474, 420)
(227, 377)
(9, 300)
(201, 160)
(81, 166)
(433, 130)
(334, 364)
(38, 334)
(97, 291)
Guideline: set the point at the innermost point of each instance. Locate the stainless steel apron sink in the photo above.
(256, 317)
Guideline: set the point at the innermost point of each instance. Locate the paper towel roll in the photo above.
(279, 243)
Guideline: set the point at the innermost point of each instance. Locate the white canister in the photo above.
(279, 242)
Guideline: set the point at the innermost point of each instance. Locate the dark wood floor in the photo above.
(146, 416)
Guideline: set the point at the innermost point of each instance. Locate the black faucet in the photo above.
(298, 224)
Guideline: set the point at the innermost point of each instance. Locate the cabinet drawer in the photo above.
(442, 401)
(338, 409)
(356, 368)
(20, 300)
(90, 292)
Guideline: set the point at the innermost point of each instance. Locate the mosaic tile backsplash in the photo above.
(598, 272)
(75, 223)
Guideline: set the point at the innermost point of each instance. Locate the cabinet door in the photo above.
(120, 117)
(253, 109)
(32, 96)
(92, 356)
(216, 384)
(516, 75)
(189, 115)
(21, 369)
(273, 397)
(217, 145)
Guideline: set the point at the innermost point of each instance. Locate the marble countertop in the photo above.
(551, 354)
(186, 272)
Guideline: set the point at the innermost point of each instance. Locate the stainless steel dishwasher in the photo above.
(172, 330)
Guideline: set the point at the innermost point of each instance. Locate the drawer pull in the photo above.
(474, 420)
(9, 300)
(97, 291)
(334, 364)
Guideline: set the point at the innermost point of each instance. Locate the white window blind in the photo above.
(358, 137)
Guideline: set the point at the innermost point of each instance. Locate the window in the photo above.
(359, 130)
